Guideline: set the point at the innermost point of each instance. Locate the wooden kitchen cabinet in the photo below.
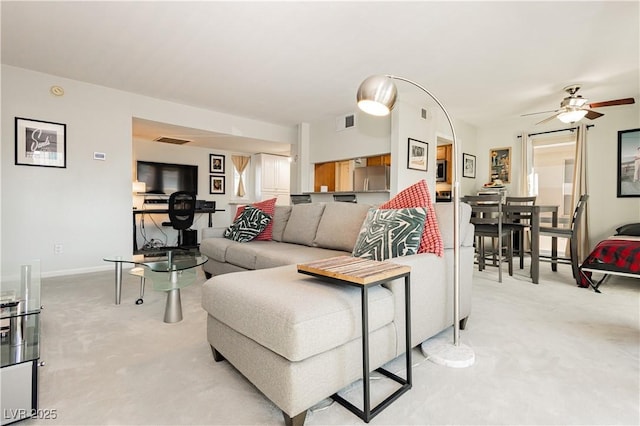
(443, 152)
(379, 160)
(325, 175)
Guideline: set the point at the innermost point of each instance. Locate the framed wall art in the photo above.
(40, 143)
(216, 184)
(468, 165)
(216, 163)
(417, 155)
(629, 163)
(500, 164)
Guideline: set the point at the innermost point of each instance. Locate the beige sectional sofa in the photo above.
(297, 338)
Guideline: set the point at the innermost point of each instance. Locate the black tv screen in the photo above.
(165, 178)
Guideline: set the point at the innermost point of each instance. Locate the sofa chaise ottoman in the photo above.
(298, 338)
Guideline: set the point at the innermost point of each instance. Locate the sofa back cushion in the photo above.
(417, 195)
(280, 219)
(303, 223)
(444, 214)
(389, 233)
(268, 207)
(340, 224)
(248, 225)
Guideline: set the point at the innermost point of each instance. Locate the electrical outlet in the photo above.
(57, 248)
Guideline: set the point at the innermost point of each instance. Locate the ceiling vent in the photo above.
(345, 122)
(172, 140)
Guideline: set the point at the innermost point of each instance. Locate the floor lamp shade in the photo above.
(377, 95)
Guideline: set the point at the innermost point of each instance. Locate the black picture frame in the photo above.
(628, 163)
(216, 163)
(216, 184)
(40, 143)
(468, 165)
(417, 155)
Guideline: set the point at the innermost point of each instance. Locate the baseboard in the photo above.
(77, 271)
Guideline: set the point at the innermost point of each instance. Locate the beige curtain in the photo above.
(240, 163)
(579, 188)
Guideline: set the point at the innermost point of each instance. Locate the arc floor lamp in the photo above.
(377, 95)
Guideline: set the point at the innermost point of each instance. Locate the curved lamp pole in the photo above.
(377, 96)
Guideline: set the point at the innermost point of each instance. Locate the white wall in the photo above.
(407, 122)
(369, 137)
(87, 205)
(606, 211)
(378, 135)
(182, 154)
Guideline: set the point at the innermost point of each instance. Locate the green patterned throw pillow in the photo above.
(389, 233)
(248, 225)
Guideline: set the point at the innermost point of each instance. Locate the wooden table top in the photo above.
(356, 270)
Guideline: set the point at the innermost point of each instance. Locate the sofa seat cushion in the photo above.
(216, 248)
(294, 315)
(281, 254)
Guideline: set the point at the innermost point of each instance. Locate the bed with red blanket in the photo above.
(617, 255)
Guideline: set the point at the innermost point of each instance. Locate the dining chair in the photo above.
(346, 198)
(519, 221)
(488, 219)
(570, 234)
(300, 198)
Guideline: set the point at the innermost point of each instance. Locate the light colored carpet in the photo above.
(545, 354)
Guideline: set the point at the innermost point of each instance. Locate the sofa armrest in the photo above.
(212, 232)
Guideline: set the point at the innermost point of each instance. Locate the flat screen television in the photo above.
(165, 178)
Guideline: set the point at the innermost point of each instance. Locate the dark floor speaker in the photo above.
(189, 238)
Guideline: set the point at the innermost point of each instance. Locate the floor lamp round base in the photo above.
(441, 351)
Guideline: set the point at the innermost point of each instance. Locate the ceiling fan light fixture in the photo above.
(572, 115)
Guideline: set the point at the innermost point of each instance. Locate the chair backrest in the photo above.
(182, 209)
(577, 212)
(300, 198)
(346, 198)
(519, 217)
(486, 209)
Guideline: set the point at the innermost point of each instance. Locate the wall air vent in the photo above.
(171, 140)
(345, 122)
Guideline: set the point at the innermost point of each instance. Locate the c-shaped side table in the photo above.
(364, 273)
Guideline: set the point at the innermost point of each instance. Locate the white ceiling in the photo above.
(294, 62)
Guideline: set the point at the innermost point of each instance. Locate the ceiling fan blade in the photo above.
(625, 101)
(592, 115)
(536, 113)
(547, 119)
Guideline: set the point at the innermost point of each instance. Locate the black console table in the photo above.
(137, 212)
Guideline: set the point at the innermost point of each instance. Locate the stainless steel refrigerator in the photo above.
(371, 178)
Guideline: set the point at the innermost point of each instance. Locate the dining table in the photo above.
(536, 211)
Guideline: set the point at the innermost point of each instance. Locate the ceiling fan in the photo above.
(574, 107)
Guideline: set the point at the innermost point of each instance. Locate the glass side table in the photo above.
(19, 342)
